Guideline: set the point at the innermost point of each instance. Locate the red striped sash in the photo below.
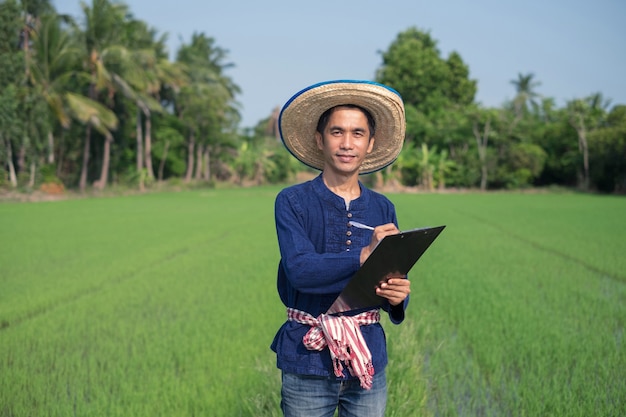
(342, 335)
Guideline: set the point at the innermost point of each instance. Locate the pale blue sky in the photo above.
(574, 48)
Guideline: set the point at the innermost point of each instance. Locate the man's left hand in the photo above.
(395, 290)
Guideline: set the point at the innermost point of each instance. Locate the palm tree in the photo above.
(107, 60)
(207, 103)
(190, 108)
(52, 64)
(148, 79)
(115, 65)
(32, 9)
(159, 73)
(525, 86)
(95, 116)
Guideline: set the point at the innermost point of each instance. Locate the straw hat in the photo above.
(299, 117)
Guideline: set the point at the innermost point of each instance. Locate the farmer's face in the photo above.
(345, 142)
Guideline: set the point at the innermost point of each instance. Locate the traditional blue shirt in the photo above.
(320, 252)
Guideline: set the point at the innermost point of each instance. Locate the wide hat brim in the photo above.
(299, 117)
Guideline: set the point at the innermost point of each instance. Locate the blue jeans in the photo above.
(313, 396)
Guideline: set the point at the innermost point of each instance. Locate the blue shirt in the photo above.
(319, 254)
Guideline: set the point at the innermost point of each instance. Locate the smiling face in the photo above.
(345, 141)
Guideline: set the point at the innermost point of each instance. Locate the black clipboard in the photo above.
(395, 254)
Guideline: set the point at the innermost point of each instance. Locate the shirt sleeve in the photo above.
(307, 270)
(396, 313)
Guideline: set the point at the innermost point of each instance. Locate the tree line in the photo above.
(90, 102)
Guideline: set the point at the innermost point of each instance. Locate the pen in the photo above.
(360, 225)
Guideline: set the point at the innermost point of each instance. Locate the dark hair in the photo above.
(325, 117)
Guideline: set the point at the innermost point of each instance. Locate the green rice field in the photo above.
(165, 304)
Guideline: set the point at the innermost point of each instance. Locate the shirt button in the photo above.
(348, 242)
(349, 215)
(348, 233)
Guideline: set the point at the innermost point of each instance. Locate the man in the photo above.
(329, 362)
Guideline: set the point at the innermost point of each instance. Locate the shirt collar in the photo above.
(322, 190)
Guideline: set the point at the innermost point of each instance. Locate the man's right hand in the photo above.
(378, 234)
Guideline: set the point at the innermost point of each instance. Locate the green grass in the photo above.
(521, 306)
(165, 305)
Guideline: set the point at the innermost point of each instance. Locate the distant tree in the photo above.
(481, 126)
(461, 89)
(435, 91)
(154, 74)
(414, 67)
(50, 66)
(31, 12)
(525, 93)
(109, 62)
(54, 71)
(522, 163)
(36, 126)
(443, 168)
(169, 138)
(206, 104)
(11, 79)
(585, 116)
(489, 146)
(607, 149)
(406, 167)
